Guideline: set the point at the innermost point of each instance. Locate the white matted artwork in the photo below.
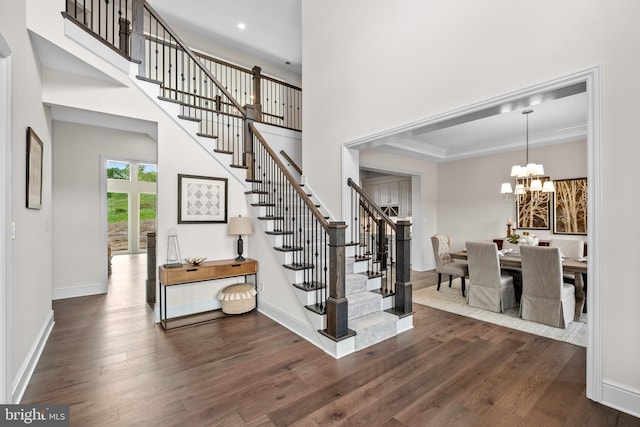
(201, 199)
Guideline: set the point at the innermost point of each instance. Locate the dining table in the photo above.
(577, 266)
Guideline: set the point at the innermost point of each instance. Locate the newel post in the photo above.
(404, 300)
(247, 158)
(257, 95)
(337, 306)
(137, 35)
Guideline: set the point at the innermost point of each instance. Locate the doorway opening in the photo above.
(587, 81)
(131, 205)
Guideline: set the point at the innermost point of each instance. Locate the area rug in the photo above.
(451, 300)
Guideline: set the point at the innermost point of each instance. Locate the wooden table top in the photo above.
(569, 265)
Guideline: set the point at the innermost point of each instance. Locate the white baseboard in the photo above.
(20, 382)
(621, 398)
(79, 291)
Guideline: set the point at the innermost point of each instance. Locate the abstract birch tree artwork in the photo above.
(533, 213)
(570, 206)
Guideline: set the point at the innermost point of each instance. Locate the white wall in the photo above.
(78, 227)
(447, 55)
(30, 286)
(473, 186)
(289, 141)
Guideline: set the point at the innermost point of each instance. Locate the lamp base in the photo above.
(240, 249)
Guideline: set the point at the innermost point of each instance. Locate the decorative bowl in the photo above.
(195, 261)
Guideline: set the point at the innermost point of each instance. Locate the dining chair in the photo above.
(570, 249)
(488, 287)
(545, 297)
(444, 263)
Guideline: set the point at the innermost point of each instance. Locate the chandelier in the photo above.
(528, 178)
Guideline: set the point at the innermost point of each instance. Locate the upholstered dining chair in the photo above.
(488, 287)
(545, 297)
(570, 249)
(445, 264)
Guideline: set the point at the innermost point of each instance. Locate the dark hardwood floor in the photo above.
(114, 366)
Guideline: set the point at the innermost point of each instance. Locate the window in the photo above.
(131, 204)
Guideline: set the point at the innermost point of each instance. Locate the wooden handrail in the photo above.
(194, 58)
(246, 70)
(377, 209)
(290, 160)
(303, 195)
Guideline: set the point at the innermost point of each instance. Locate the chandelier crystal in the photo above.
(528, 179)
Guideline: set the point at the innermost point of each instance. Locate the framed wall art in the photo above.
(570, 206)
(532, 213)
(35, 150)
(201, 199)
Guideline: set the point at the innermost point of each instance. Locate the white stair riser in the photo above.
(374, 283)
(318, 321)
(305, 297)
(387, 303)
(360, 266)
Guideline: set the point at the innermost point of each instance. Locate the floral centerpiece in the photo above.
(527, 239)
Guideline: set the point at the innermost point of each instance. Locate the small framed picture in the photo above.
(35, 150)
(201, 199)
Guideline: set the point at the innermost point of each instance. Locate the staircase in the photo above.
(340, 286)
(367, 318)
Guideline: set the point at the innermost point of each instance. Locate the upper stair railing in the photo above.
(107, 20)
(136, 31)
(385, 244)
(275, 102)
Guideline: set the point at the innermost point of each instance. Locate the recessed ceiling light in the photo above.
(241, 25)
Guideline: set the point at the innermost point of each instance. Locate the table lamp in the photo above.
(238, 226)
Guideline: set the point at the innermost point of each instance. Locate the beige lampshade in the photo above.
(548, 187)
(536, 185)
(506, 188)
(240, 225)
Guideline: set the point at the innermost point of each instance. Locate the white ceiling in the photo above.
(273, 27)
(551, 122)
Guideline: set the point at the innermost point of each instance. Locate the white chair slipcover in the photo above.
(488, 287)
(545, 297)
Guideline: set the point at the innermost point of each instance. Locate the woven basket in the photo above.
(238, 298)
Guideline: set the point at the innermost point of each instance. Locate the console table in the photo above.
(208, 270)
